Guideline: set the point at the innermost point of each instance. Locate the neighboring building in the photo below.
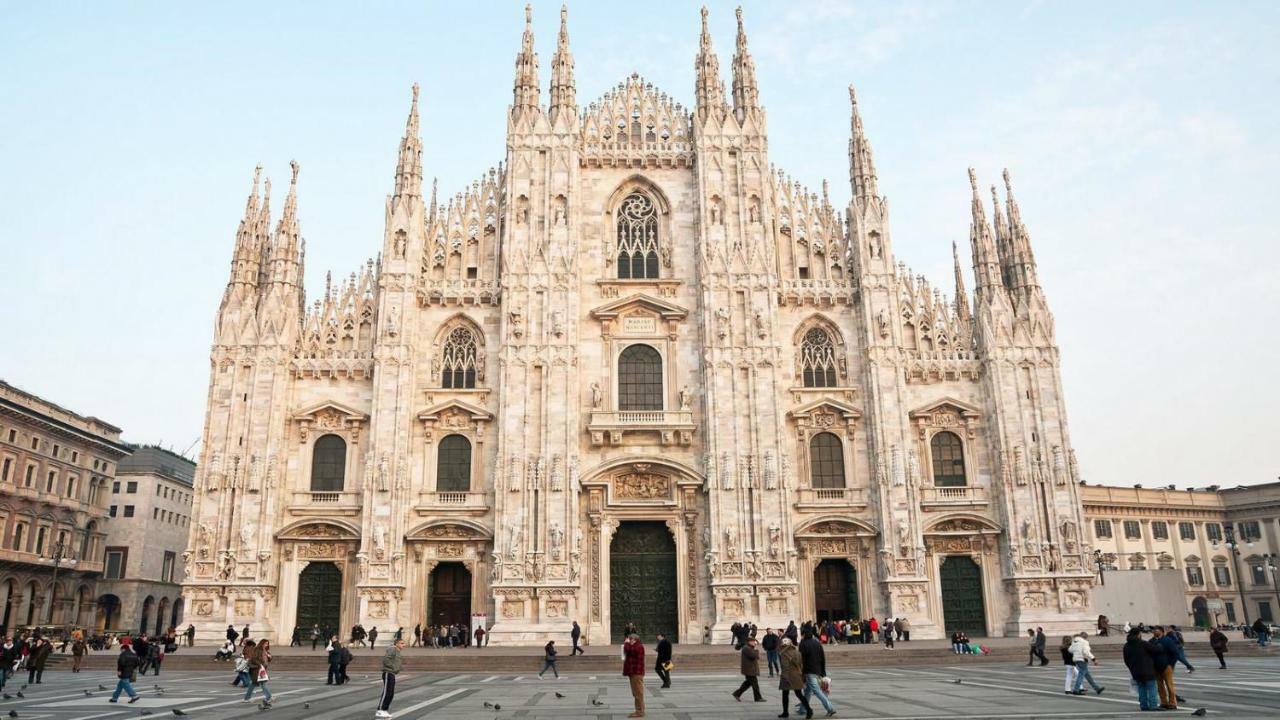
(56, 469)
(1225, 543)
(636, 374)
(150, 509)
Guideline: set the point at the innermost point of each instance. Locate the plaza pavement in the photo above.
(1005, 690)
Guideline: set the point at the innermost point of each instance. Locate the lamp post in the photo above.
(1270, 559)
(1233, 547)
(58, 549)
(1100, 563)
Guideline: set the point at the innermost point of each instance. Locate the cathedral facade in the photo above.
(637, 374)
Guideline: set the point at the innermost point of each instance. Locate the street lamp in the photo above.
(1098, 561)
(59, 554)
(1229, 540)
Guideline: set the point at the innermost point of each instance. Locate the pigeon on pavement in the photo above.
(178, 712)
(560, 696)
(1200, 712)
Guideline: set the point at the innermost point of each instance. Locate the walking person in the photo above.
(259, 658)
(36, 661)
(814, 666)
(1082, 655)
(663, 664)
(391, 663)
(417, 635)
(1037, 646)
(1262, 631)
(232, 634)
(78, 651)
(1139, 657)
(906, 630)
(770, 646)
(126, 666)
(1218, 641)
(1165, 662)
(334, 656)
(576, 634)
(373, 636)
(242, 666)
(549, 659)
(791, 677)
(887, 630)
(633, 669)
(1182, 650)
(1069, 679)
(750, 666)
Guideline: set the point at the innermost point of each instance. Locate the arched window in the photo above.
(328, 464)
(637, 238)
(640, 379)
(453, 465)
(818, 359)
(948, 460)
(826, 462)
(458, 359)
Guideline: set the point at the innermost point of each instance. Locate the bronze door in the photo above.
(962, 607)
(450, 595)
(835, 591)
(642, 578)
(320, 597)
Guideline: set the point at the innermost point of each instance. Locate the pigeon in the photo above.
(20, 694)
(102, 687)
(1200, 712)
(488, 704)
(145, 712)
(7, 696)
(13, 713)
(956, 681)
(560, 696)
(178, 712)
(496, 706)
(88, 694)
(596, 702)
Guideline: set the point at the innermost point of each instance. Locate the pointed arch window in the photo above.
(826, 462)
(328, 464)
(458, 359)
(453, 465)
(818, 359)
(637, 238)
(640, 379)
(948, 460)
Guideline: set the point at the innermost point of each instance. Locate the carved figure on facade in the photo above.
(514, 473)
(226, 565)
(731, 542)
(775, 541)
(383, 471)
(514, 536)
(722, 322)
(726, 471)
(642, 486)
(556, 535)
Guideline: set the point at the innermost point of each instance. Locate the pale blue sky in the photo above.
(1142, 138)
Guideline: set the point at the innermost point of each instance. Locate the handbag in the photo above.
(262, 674)
(825, 684)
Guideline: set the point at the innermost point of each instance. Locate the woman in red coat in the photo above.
(633, 668)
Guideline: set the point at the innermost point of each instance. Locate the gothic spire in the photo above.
(1000, 232)
(286, 251)
(708, 88)
(986, 263)
(409, 162)
(1021, 261)
(526, 95)
(962, 294)
(245, 255)
(862, 168)
(746, 95)
(563, 90)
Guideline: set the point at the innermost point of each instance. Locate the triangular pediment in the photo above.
(846, 410)
(436, 411)
(945, 405)
(637, 301)
(330, 407)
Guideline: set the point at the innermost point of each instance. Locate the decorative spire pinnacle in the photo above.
(526, 95)
(563, 89)
(962, 295)
(409, 162)
(862, 167)
(746, 95)
(986, 262)
(1000, 228)
(708, 88)
(1020, 260)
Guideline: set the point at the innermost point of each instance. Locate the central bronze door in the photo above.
(962, 606)
(835, 591)
(450, 594)
(642, 579)
(320, 597)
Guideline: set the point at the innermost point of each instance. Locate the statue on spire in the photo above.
(708, 88)
(746, 95)
(526, 93)
(563, 89)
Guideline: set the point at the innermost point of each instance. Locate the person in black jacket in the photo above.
(662, 666)
(549, 659)
(576, 636)
(813, 662)
(1164, 664)
(770, 646)
(750, 663)
(1139, 657)
(335, 663)
(126, 666)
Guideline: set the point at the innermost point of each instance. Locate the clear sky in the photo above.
(1143, 138)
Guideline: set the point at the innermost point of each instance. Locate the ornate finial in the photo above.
(738, 12)
(564, 13)
(853, 96)
(995, 198)
(1008, 185)
(528, 14)
(705, 12)
(257, 177)
(293, 165)
(973, 182)
(415, 93)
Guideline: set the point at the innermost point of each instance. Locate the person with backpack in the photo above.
(242, 666)
(549, 659)
(259, 659)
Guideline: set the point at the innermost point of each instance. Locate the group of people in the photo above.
(1151, 663)
(865, 631)
(448, 636)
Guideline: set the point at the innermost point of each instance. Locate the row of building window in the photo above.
(1247, 531)
(57, 451)
(52, 485)
(453, 463)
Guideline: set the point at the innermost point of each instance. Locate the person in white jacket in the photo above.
(1082, 655)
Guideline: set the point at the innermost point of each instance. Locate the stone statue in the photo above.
(882, 323)
(516, 319)
(247, 532)
(597, 396)
(731, 542)
(775, 541)
(684, 397)
(556, 534)
(557, 323)
(757, 322)
(379, 540)
(226, 564)
(722, 322)
(383, 471)
(514, 535)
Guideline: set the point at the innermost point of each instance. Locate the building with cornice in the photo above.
(635, 373)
